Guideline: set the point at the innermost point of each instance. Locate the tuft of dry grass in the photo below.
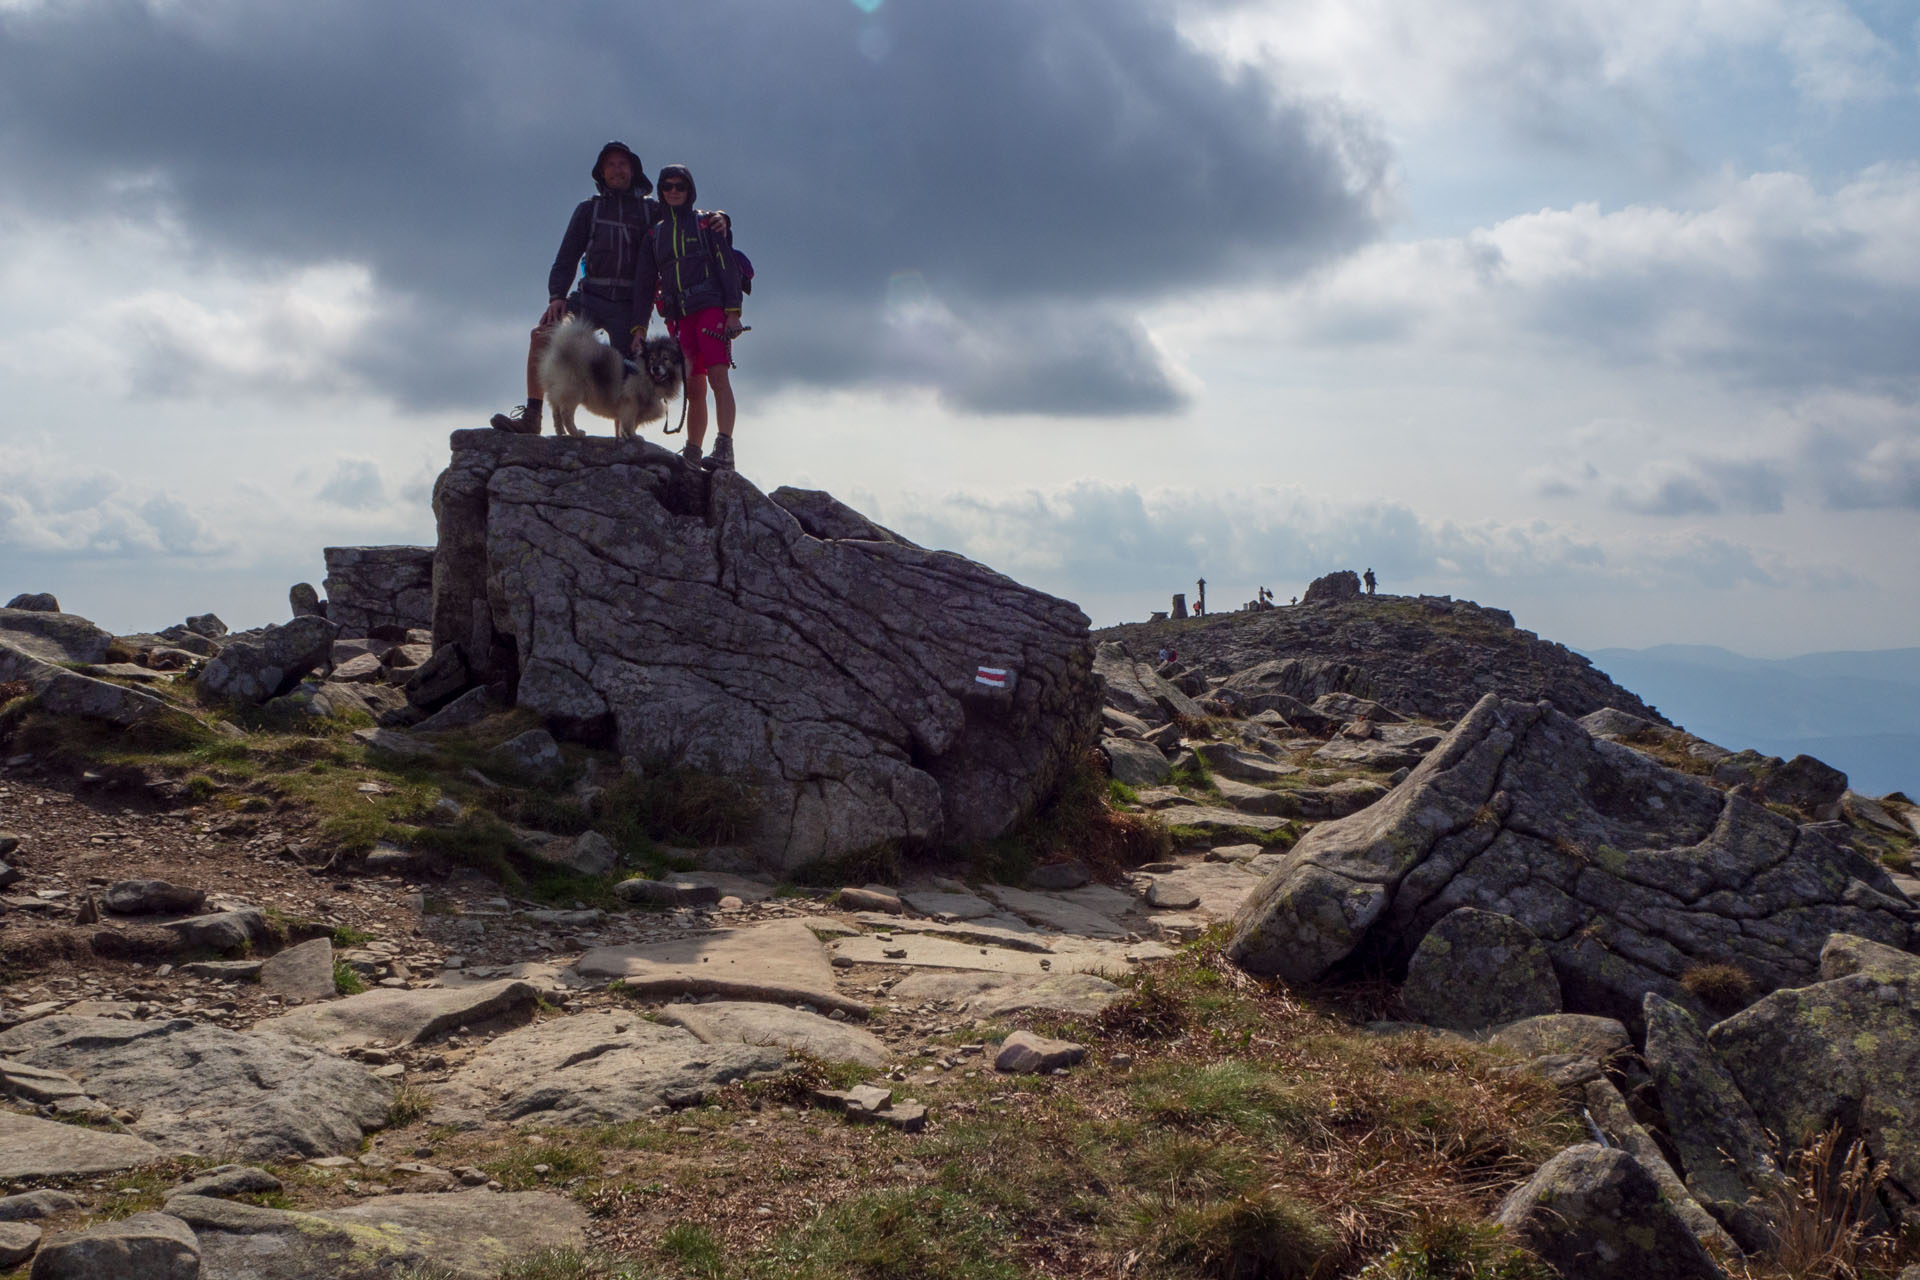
(1724, 988)
(1826, 1216)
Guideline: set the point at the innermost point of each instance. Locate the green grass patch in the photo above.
(694, 1251)
(346, 979)
(928, 1234)
(1455, 1249)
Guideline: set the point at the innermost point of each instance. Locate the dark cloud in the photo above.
(1013, 156)
(1668, 495)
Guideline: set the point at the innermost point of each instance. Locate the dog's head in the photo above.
(664, 365)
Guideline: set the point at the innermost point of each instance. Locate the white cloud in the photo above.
(355, 484)
(1541, 69)
(50, 507)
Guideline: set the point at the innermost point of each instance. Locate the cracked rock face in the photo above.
(783, 640)
(1629, 873)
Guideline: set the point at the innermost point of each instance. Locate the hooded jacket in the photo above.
(607, 231)
(692, 268)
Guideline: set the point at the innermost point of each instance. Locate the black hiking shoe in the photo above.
(721, 459)
(690, 452)
(519, 422)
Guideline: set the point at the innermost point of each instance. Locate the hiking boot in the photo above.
(691, 453)
(721, 459)
(519, 422)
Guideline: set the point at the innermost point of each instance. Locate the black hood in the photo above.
(685, 174)
(640, 184)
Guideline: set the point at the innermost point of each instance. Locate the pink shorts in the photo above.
(703, 340)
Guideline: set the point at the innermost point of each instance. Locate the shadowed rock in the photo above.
(1630, 873)
(690, 618)
(1843, 1052)
(1595, 1213)
(1478, 969)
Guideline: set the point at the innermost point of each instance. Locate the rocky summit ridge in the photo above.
(659, 876)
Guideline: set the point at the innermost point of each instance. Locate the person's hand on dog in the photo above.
(555, 309)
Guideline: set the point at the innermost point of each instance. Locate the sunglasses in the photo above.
(673, 186)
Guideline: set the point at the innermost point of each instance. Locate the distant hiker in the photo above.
(606, 231)
(697, 275)
(1367, 578)
(1163, 655)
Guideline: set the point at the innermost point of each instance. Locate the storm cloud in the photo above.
(1011, 159)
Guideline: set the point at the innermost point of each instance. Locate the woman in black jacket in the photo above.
(697, 276)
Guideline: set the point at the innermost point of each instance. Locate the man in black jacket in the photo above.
(606, 232)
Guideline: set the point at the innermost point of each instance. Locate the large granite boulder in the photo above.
(1730, 1165)
(868, 690)
(270, 662)
(1845, 1051)
(1134, 687)
(1332, 588)
(1594, 1213)
(1479, 969)
(68, 693)
(1630, 873)
(387, 587)
(54, 636)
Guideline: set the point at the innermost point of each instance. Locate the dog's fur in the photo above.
(578, 369)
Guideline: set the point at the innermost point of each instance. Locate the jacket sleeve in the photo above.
(646, 278)
(566, 263)
(728, 265)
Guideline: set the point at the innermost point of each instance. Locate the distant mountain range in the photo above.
(1859, 712)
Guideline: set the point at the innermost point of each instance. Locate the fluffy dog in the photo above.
(578, 369)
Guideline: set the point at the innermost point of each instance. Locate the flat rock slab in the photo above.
(1067, 955)
(994, 995)
(745, 888)
(602, 1067)
(304, 972)
(943, 905)
(401, 1017)
(548, 977)
(1061, 911)
(993, 931)
(34, 1148)
(146, 1246)
(1215, 820)
(780, 961)
(210, 1091)
(750, 1022)
(921, 951)
(1217, 888)
(471, 1235)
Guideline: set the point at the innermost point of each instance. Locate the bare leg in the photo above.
(697, 409)
(536, 343)
(722, 400)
